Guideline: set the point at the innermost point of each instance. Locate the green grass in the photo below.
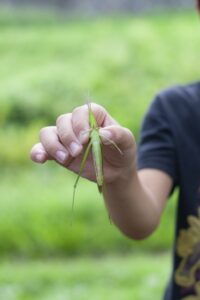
(47, 66)
(140, 277)
(35, 216)
(49, 63)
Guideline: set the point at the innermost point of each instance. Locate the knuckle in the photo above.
(130, 137)
(99, 112)
(128, 132)
(77, 126)
(78, 109)
(61, 118)
(64, 135)
(123, 134)
(118, 133)
(43, 132)
(97, 107)
(79, 117)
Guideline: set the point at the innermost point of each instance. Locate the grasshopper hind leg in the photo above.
(112, 143)
(83, 162)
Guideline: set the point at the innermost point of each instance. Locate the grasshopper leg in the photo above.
(113, 143)
(85, 156)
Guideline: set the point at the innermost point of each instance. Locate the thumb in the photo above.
(121, 136)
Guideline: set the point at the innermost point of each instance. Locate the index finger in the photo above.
(80, 120)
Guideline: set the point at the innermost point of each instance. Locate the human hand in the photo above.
(65, 143)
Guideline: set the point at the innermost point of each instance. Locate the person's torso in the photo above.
(185, 117)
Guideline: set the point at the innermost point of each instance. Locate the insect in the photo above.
(95, 144)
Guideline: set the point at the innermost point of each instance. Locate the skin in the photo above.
(135, 199)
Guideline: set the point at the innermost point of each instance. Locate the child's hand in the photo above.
(66, 141)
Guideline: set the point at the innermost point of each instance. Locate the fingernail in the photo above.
(40, 158)
(105, 133)
(75, 148)
(61, 156)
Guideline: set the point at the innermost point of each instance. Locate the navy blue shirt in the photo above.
(170, 141)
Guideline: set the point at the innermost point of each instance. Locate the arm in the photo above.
(136, 200)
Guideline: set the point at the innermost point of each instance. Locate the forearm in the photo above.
(131, 205)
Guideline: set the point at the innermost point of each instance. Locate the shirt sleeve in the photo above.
(156, 147)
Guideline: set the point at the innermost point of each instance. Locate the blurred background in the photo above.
(51, 54)
(98, 7)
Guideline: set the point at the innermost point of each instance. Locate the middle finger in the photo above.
(67, 135)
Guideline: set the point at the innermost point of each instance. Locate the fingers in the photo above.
(66, 140)
(80, 120)
(67, 135)
(121, 136)
(53, 147)
(38, 154)
(101, 115)
(74, 128)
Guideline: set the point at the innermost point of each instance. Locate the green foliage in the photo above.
(122, 277)
(16, 143)
(35, 217)
(48, 66)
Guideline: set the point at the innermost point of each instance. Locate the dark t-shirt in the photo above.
(170, 141)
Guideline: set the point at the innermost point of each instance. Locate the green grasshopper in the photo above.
(95, 144)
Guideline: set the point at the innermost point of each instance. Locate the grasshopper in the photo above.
(95, 144)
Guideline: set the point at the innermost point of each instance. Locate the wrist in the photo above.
(125, 177)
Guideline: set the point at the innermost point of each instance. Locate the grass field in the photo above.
(140, 277)
(35, 217)
(47, 65)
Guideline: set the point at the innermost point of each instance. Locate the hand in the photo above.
(65, 143)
